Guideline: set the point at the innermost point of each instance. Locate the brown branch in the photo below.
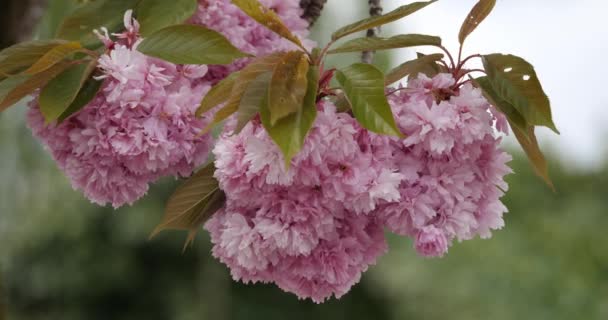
(312, 10)
(18, 19)
(375, 9)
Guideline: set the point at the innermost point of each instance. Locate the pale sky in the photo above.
(566, 41)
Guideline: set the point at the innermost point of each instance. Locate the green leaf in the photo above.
(86, 94)
(527, 139)
(377, 21)
(190, 44)
(363, 86)
(433, 68)
(8, 85)
(154, 15)
(192, 204)
(400, 41)
(79, 25)
(290, 132)
(288, 85)
(413, 68)
(248, 74)
(479, 13)
(219, 94)
(514, 117)
(267, 18)
(252, 100)
(516, 82)
(21, 56)
(57, 96)
(54, 56)
(13, 89)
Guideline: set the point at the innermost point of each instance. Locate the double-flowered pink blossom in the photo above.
(452, 164)
(248, 35)
(307, 229)
(141, 125)
(313, 229)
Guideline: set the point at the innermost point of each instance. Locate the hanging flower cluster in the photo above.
(313, 229)
(306, 177)
(452, 165)
(141, 125)
(309, 228)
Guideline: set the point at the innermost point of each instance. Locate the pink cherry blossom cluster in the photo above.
(451, 162)
(307, 228)
(141, 125)
(313, 229)
(248, 35)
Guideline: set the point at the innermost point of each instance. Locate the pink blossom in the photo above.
(315, 228)
(431, 242)
(452, 164)
(141, 125)
(340, 159)
(307, 227)
(247, 34)
(306, 249)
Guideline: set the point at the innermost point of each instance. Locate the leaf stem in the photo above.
(90, 53)
(449, 56)
(7, 75)
(460, 54)
(324, 53)
(470, 78)
(444, 64)
(397, 90)
(463, 62)
(464, 82)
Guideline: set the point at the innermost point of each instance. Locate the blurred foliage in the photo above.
(63, 258)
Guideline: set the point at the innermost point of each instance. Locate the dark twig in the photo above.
(375, 9)
(312, 9)
(18, 18)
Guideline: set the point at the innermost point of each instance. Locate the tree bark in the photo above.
(312, 10)
(375, 9)
(18, 18)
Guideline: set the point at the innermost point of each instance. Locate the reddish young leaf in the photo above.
(17, 88)
(192, 204)
(21, 56)
(516, 82)
(377, 21)
(288, 85)
(267, 18)
(412, 68)
(479, 12)
(530, 145)
(289, 133)
(53, 57)
(256, 68)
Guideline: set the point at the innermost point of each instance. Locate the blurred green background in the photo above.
(64, 258)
